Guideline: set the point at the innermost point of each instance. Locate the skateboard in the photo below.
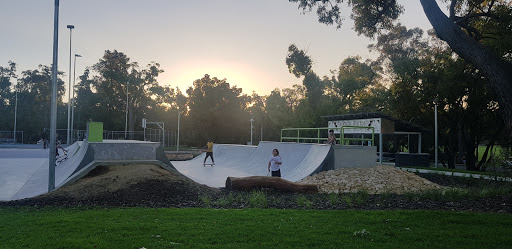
(211, 164)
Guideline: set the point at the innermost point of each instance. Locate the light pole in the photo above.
(178, 137)
(73, 99)
(70, 27)
(126, 116)
(53, 107)
(252, 120)
(15, 111)
(435, 131)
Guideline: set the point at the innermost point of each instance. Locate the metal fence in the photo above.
(168, 139)
(8, 137)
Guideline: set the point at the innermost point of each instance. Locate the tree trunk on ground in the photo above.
(277, 183)
(496, 70)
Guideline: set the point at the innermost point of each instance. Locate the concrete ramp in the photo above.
(38, 183)
(28, 177)
(299, 160)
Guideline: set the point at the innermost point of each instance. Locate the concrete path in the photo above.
(487, 177)
(299, 161)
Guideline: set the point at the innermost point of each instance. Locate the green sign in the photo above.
(95, 132)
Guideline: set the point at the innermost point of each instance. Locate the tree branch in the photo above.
(452, 9)
(473, 15)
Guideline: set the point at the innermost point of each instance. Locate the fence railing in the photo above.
(319, 135)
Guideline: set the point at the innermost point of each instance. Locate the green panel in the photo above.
(95, 132)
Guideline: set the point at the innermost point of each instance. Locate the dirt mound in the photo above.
(376, 180)
(129, 185)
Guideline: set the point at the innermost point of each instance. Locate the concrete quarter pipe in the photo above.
(299, 160)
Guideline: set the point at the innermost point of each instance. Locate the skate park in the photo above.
(301, 158)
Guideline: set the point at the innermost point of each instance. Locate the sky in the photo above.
(243, 41)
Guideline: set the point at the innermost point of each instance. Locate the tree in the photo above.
(34, 101)
(217, 111)
(373, 16)
(299, 64)
(353, 78)
(116, 78)
(6, 95)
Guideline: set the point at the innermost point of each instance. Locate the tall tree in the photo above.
(116, 78)
(217, 111)
(7, 74)
(34, 101)
(373, 16)
(353, 78)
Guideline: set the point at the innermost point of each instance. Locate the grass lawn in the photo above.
(249, 228)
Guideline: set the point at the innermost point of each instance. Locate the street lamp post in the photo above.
(435, 131)
(15, 111)
(53, 107)
(70, 27)
(178, 137)
(126, 116)
(252, 120)
(73, 99)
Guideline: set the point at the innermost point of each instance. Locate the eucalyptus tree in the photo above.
(353, 77)
(469, 30)
(7, 76)
(299, 64)
(34, 101)
(217, 111)
(421, 71)
(119, 84)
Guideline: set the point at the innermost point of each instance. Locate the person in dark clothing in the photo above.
(44, 136)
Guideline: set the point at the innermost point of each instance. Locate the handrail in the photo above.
(341, 140)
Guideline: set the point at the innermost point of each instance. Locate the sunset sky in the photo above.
(244, 41)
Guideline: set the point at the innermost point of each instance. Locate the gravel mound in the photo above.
(376, 180)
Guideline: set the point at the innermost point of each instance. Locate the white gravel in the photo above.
(376, 180)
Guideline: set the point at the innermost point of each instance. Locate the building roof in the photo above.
(400, 125)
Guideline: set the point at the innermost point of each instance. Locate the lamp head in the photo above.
(71, 26)
(77, 55)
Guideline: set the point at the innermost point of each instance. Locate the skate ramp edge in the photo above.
(85, 156)
(113, 152)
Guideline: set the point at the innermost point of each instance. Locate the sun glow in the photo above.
(236, 73)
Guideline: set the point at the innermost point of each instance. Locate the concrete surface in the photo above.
(354, 156)
(24, 172)
(299, 161)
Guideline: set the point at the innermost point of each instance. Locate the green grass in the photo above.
(249, 228)
(497, 150)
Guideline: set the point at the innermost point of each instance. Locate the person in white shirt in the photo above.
(332, 138)
(274, 163)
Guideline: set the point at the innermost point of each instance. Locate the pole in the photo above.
(251, 128)
(70, 27)
(126, 118)
(15, 110)
(178, 137)
(435, 124)
(53, 112)
(73, 99)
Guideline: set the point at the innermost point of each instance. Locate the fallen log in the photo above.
(260, 182)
